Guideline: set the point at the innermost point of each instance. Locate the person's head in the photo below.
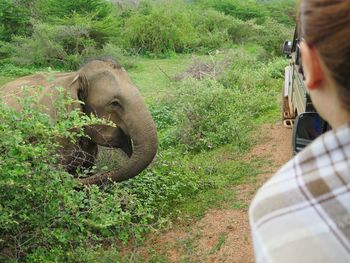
(324, 26)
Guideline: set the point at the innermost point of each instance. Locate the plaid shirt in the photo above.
(302, 214)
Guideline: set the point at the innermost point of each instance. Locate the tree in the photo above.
(14, 18)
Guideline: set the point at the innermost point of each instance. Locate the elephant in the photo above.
(103, 88)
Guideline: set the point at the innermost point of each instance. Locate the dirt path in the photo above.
(223, 235)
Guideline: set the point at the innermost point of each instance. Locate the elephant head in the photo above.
(107, 92)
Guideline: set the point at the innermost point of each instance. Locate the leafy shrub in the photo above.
(272, 35)
(64, 41)
(101, 31)
(49, 10)
(6, 50)
(249, 73)
(211, 28)
(241, 9)
(55, 46)
(246, 71)
(172, 179)
(14, 19)
(171, 27)
(163, 30)
(242, 31)
(64, 47)
(282, 11)
(257, 81)
(206, 116)
(275, 68)
(163, 115)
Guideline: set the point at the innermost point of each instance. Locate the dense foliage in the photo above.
(251, 9)
(64, 33)
(206, 114)
(44, 215)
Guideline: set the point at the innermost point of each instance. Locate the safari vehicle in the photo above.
(298, 112)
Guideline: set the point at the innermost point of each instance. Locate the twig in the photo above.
(164, 73)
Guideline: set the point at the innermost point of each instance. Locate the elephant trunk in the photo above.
(145, 143)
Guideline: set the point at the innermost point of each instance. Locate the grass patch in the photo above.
(5, 79)
(153, 76)
(271, 116)
(228, 174)
(219, 244)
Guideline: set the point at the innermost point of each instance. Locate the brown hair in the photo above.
(325, 24)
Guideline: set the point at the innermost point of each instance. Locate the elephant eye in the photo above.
(115, 103)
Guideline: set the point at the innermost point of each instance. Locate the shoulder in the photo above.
(323, 162)
(305, 199)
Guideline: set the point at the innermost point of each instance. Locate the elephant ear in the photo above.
(79, 91)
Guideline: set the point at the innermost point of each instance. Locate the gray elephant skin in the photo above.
(106, 91)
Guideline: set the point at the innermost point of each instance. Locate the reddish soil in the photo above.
(223, 235)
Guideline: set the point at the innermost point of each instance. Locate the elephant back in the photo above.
(41, 85)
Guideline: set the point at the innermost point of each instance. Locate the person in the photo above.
(302, 214)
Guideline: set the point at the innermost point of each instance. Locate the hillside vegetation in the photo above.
(62, 34)
(210, 72)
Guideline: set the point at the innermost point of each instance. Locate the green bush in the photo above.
(249, 73)
(64, 33)
(241, 9)
(174, 27)
(14, 19)
(211, 28)
(282, 11)
(258, 82)
(64, 47)
(101, 31)
(205, 115)
(164, 29)
(55, 46)
(270, 34)
(6, 49)
(241, 32)
(49, 10)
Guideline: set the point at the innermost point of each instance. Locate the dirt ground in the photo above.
(223, 235)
